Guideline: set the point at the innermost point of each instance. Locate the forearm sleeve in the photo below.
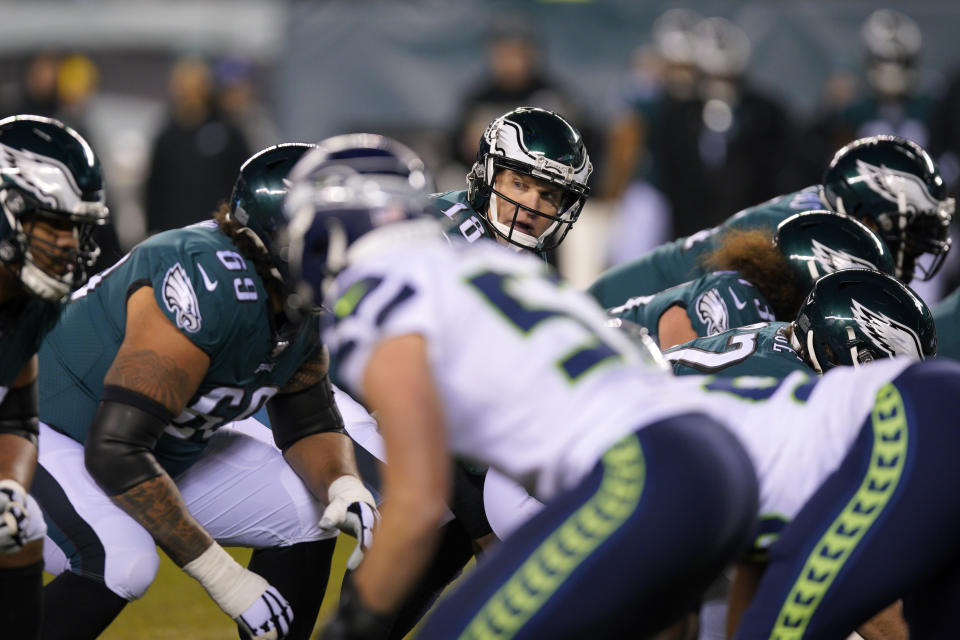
(119, 449)
(294, 416)
(18, 412)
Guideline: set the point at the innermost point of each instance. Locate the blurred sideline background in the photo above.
(691, 110)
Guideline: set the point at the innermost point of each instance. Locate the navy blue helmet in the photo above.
(346, 187)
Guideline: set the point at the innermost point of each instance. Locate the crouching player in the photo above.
(51, 196)
(151, 358)
(557, 422)
(647, 479)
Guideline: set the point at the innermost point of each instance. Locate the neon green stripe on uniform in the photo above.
(526, 591)
(887, 462)
(346, 303)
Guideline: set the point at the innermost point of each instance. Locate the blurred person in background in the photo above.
(700, 136)
(738, 125)
(38, 91)
(196, 155)
(661, 106)
(78, 80)
(894, 103)
(238, 98)
(887, 99)
(514, 77)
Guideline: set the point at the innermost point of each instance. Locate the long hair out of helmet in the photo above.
(49, 173)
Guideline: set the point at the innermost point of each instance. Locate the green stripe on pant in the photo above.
(566, 548)
(887, 462)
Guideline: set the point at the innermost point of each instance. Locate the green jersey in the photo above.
(24, 321)
(470, 224)
(714, 303)
(215, 298)
(946, 318)
(680, 260)
(758, 350)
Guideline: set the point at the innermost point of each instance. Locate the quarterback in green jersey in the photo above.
(889, 183)
(51, 197)
(152, 357)
(761, 281)
(528, 185)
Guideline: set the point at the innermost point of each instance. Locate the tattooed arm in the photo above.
(158, 362)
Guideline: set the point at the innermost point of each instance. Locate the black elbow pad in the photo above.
(296, 415)
(18, 412)
(118, 452)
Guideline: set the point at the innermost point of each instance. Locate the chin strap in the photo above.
(809, 352)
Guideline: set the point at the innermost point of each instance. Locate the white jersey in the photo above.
(533, 382)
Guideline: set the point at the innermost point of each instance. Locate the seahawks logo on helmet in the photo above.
(46, 179)
(712, 311)
(888, 335)
(890, 184)
(831, 260)
(181, 299)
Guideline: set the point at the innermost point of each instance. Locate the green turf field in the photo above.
(177, 607)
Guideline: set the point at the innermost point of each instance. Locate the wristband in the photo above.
(231, 586)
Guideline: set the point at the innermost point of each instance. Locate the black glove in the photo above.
(354, 621)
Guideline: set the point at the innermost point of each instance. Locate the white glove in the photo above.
(257, 607)
(268, 618)
(14, 516)
(352, 510)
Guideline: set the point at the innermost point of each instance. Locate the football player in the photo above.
(601, 487)
(467, 529)
(645, 492)
(528, 185)
(849, 318)
(181, 336)
(890, 184)
(51, 197)
(755, 280)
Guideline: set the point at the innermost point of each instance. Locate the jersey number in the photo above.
(738, 348)
(579, 360)
(200, 419)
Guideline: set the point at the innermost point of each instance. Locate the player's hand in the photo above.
(268, 618)
(14, 516)
(354, 621)
(352, 510)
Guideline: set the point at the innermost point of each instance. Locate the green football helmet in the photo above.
(48, 172)
(819, 242)
(543, 145)
(896, 186)
(257, 199)
(857, 315)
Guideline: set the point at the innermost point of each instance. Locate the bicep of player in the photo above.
(702, 360)
(155, 372)
(674, 327)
